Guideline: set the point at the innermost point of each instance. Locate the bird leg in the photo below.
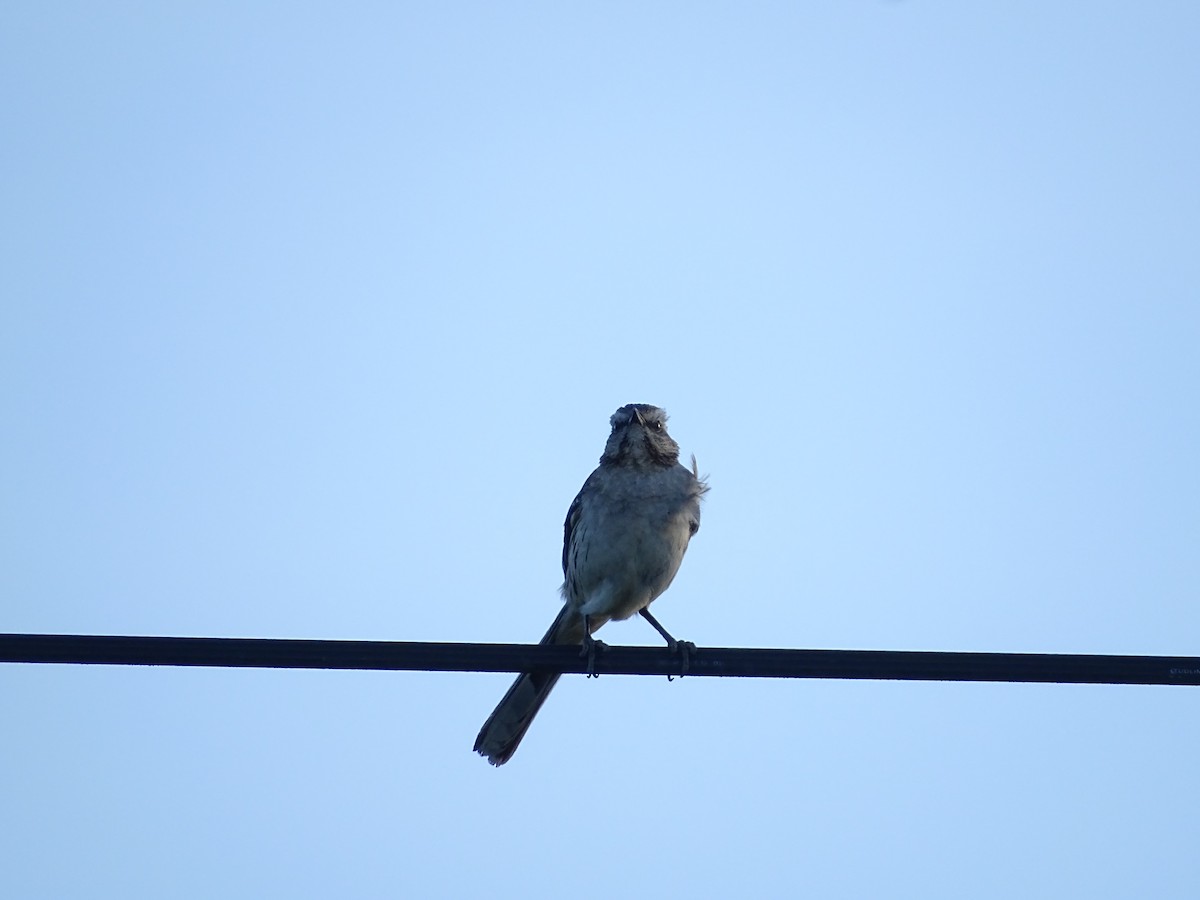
(590, 647)
(683, 648)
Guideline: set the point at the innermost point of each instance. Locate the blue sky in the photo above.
(313, 320)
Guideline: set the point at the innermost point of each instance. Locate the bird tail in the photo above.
(502, 732)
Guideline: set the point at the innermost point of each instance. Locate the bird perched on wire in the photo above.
(624, 538)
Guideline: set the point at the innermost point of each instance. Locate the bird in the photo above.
(624, 538)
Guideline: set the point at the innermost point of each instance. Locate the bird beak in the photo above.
(641, 421)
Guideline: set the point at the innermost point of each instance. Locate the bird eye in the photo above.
(658, 426)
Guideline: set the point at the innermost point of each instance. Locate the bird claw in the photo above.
(591, 647)
(684, 649)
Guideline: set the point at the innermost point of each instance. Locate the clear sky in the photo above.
(314, 315)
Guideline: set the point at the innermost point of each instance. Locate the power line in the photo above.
(905, 665)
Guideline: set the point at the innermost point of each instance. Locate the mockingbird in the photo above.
(624, 538)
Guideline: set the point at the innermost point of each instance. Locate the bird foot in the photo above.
(591, 647)
(685, 650)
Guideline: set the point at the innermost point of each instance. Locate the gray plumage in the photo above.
(624, 538)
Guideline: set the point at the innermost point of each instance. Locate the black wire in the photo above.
(704, 661)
